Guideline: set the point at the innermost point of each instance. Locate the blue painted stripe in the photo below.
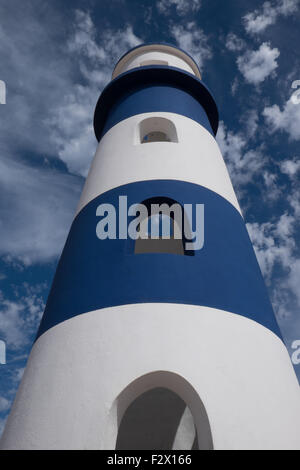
(157, 98)
(94, 274)
(155, 89)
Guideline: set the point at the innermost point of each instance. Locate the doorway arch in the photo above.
(161, 410)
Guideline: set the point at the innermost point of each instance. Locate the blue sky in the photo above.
(56, 57)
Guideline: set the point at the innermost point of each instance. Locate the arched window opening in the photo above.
(154, 62)
(162, 231)
(157, 129)
(157, 420)
(157, 235)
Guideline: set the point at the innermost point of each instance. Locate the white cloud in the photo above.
(18, 374)
(84, 38)
(257, 21)
(52, 113)
(71, 129)
(275, 246)
(234, 43)
(71, 121)
(182, 7)
(257, 65)
(19, 319)
(272, 189)
(36, 207)
(12, 323)
(4, 404)
(273, 243)
(287, 119)
(53, 85)
(234, 86)
(250, 119)
(245, 163)
(193, 40)
(36, 72)
(242, 162)
(294, 199)
(34, 202)
(84, 44)
(290, 167)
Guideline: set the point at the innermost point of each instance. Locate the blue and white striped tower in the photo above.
(123, 324)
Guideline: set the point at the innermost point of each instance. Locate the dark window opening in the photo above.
(157, 129)
(163, 230)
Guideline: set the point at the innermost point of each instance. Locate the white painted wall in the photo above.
(171, 60)
(175, 58)
(241, 371)
(122, 159)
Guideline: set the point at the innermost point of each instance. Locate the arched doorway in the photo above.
(158, 419)
(161, 411)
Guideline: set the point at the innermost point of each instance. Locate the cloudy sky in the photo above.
(56, 57)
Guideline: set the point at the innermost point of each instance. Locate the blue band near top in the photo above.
(93, 274)
(155, 89)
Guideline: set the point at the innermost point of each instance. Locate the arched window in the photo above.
(162, 231)
(157, 129)
(157, 420)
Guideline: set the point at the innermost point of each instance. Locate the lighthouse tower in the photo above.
(153, 343)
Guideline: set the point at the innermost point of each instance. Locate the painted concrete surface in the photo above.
(240, 370)
(121, 159)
